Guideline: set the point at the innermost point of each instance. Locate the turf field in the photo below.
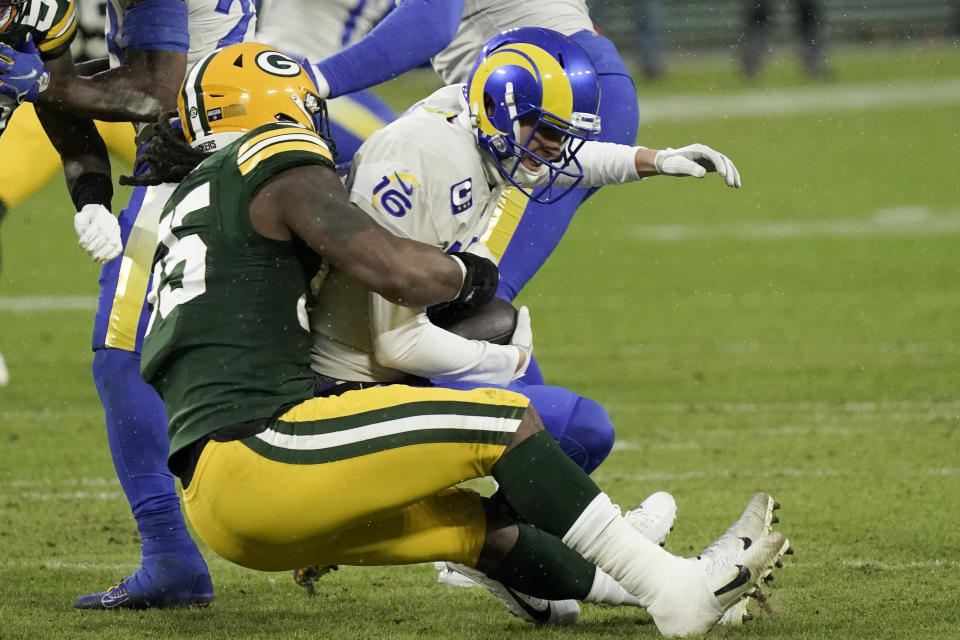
(798, 335)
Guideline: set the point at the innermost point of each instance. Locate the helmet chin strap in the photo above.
(527, 177)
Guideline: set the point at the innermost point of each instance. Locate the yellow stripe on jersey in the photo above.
(354, 117)
(279, 133)
(503, 224)
(61, 32)
(281, 147)
(268, 144)
(134, 276)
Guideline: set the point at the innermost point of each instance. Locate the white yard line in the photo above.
(48, 303)
(901, 221)
(796, 474)
(20, 483)
(901, 406)
(38, 496)
(816, 99)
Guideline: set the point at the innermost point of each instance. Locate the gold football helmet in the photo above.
(241, 87)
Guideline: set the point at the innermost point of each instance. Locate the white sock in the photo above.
(674, 591)
(606, 590)
(604, 538)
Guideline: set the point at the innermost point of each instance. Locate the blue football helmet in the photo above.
(536, 77)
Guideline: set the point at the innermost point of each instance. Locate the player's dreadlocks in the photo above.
(167, 156)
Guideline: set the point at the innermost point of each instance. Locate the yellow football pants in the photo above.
(28, 161)
(365, 478)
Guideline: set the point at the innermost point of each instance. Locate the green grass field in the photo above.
(798, 335)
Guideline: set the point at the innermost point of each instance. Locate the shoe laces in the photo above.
(641, 519)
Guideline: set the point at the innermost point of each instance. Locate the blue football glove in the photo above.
(22, 74)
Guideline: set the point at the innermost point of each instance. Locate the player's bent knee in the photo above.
(588, 438)
(114, 366)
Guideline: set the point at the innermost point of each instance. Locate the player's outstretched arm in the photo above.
(309, 202)
(607, 163)
(86, 167)
(140, 90)
(155, 40)
(407, 37)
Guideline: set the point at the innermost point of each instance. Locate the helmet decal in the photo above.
(277, 64)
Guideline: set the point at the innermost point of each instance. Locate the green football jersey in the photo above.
(225, 344)
(52, 24)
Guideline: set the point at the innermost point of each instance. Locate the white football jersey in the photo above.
(208, 24)
(425, 177)
(483, 19)
(317, 29)
(421, 177)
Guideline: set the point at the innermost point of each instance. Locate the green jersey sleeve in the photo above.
(55, 22)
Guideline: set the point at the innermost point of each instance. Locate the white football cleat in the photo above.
(529, 609)
(4, 374)
(654, 517)
(698, 594)
(754, 523)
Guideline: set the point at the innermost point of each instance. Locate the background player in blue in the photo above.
(172, 573)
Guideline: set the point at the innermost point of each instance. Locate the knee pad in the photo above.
(588, 438)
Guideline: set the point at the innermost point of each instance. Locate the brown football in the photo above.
(494, 322)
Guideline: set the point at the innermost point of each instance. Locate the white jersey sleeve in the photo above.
(406, 340)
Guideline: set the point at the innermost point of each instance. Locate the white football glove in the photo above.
(99, 232)
(696, 160)
(522, 339)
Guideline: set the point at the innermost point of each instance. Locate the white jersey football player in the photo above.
(436, 175)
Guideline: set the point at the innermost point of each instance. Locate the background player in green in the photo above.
(275, 478)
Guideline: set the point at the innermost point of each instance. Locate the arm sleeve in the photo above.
(605, 163)
(407, 37)
(404, 339)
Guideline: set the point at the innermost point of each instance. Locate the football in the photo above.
(494, 322)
